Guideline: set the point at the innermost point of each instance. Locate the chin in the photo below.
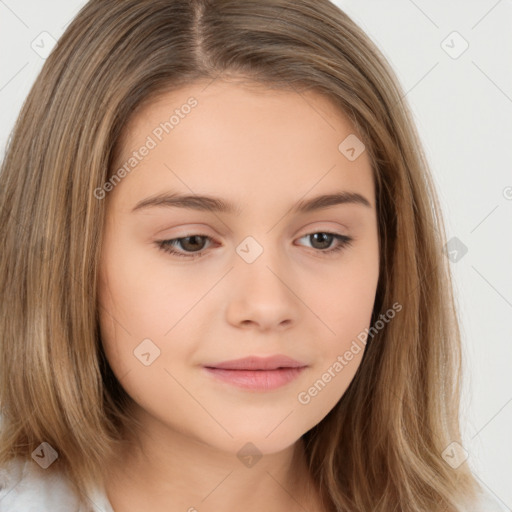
(253, 442)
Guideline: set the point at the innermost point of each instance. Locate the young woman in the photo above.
(222, 276)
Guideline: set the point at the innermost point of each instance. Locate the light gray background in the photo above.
(463, 110)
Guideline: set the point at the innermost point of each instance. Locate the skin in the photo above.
(264, 150)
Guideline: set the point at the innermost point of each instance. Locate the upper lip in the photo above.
(258, 363)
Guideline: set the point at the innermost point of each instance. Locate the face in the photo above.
(185, 284)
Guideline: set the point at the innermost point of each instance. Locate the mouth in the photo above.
(257, 380)
(257, 373)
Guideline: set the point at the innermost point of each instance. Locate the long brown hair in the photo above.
(381, 447)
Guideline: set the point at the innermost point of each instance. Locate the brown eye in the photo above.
(322, 241)
(193, 246)
(190, 244)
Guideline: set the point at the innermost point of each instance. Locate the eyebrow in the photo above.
(216, 204)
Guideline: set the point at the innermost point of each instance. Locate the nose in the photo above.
(261, 295)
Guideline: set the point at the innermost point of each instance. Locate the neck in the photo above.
(170, 471)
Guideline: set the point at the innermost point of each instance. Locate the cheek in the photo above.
(133, 307)
(344, 307)
(328, 384)
(139, 293)
(343, 297)
(345, 316)
(148, 312)
(139, 317)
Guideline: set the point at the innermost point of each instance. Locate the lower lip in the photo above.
(257, 380)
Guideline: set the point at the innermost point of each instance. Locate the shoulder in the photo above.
(25, 487)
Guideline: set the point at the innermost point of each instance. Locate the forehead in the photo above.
(240, 140)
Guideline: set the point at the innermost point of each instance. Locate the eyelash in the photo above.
(166, 245)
